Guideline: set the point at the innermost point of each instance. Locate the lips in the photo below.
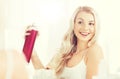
(84, 33)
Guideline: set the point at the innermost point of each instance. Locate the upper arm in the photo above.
(94, 57)
(54, 62)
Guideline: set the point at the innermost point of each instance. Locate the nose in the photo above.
(85, 27)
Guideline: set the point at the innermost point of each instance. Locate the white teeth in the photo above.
(84, 33)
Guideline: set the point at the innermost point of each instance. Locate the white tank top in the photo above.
(76, 72)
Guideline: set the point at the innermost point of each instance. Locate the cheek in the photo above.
(75, 31)
(92, 29)
(77, 27)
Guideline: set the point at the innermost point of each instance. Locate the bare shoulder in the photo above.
(94, 56)
(95, 52)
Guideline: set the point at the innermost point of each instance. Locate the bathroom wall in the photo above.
(2, 23)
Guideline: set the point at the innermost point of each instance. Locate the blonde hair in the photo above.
(69, 43)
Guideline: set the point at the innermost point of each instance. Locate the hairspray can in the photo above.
(29, 44)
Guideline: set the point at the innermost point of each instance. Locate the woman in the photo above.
(79, 55)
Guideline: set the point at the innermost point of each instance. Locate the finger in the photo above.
(29, 28)
(26, 34)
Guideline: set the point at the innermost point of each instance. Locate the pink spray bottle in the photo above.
(29, 44)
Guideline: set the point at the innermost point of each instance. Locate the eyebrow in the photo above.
(83, 20)
(91, 21)
(80, 18)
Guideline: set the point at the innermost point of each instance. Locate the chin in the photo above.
(85, 39)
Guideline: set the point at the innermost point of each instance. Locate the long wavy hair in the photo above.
(68, 46)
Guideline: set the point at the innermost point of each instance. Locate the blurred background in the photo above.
(52, 20)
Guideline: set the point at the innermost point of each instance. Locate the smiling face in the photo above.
(84, 26)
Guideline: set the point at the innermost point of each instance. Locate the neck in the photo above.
(81, 45)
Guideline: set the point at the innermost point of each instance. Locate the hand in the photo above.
(29, 28)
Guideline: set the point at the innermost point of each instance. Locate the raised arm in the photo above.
(55, 61)
(34, 57)
(36, 61)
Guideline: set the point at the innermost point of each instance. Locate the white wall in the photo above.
(52, 18)
(2, 23)
(2, 38)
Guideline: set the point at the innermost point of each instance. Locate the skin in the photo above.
(84, 29)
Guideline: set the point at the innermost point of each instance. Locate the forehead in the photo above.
(85, 16)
